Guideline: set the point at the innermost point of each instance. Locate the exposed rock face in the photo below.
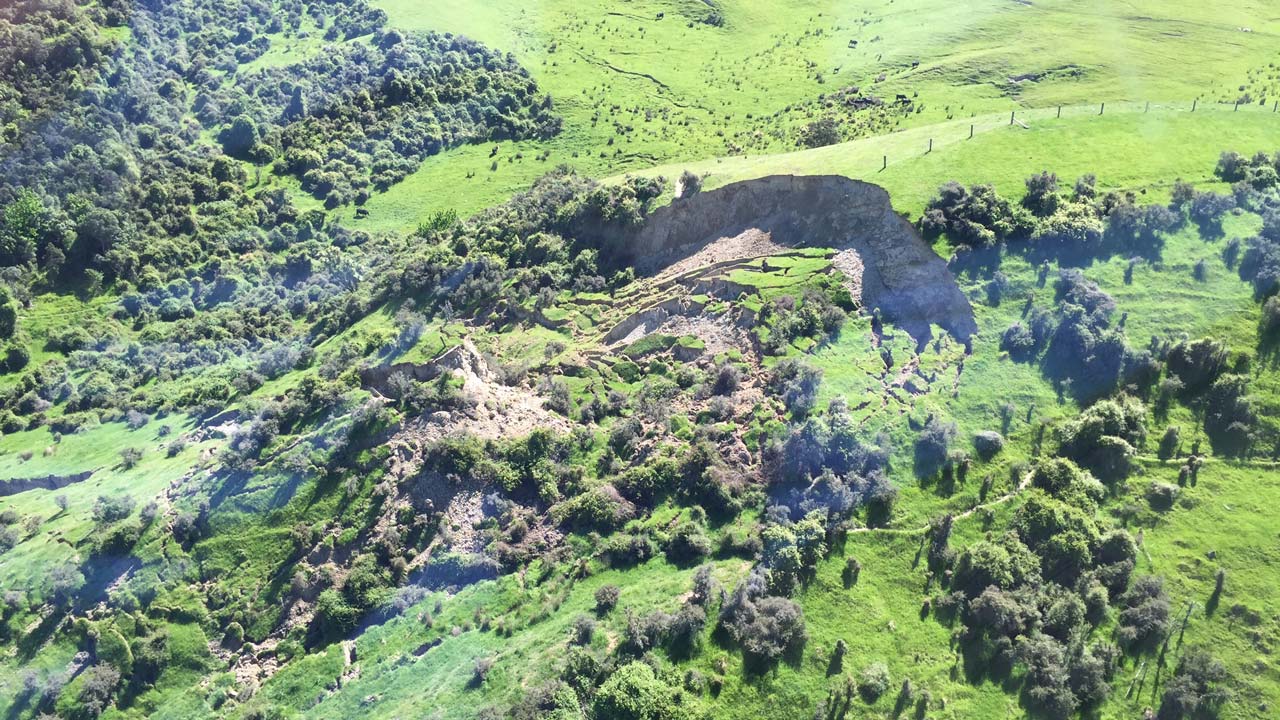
(463, 357)
(489, 409)
(647, 321)
(901, 275)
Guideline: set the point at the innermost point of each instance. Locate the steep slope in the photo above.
(901, 276)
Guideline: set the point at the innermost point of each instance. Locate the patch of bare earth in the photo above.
(718, 332)
(747, 245)
(849, 263)
(493, 411)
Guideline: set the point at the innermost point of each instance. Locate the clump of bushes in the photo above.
(988, 443)
(977, 216)
(873, 681)
(766, 627)
(606, 597)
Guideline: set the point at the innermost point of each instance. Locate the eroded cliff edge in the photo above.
(901, 276)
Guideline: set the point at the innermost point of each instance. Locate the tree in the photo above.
(1117, 553)
(1085, 188)
(99, 688)
(690, 184)
(820, 133)
(932, 445)
(1229, 414)
(1006, 564)
(1169, 443)
(1062, 535)
(1195, 690)
(1042, 194)
(837, 656)
(1019, 341)
(727, 380)
(8, 315)
(1047, 676)
(1144, 619)
(112, 508)
(1073, 227)
(873, 682)
(16, 357)
(976, 216)
(633, 692)
(606, 598)
(1197, 363)
(684, 631)
(797, 384)
(988, 443)
(297, 106)
(1091, 669)
(1103, 438)
(114, 650)
(21, 227)
(135, 420)
(688, 545)
(333, 615)
(1207, 209)
(766, 627)
(703, 584)
(481, 669)
(130, 457)
(65, 582)
(999, 613)
(240, 137)
(1231, 166)
(584, 628)
(1270, 324)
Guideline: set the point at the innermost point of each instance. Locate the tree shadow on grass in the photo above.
(1268, 347)
(976, 264)
(229, 484)
(758, 666)
(30, 643)
(20, 705)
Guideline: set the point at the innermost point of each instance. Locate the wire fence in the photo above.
(1021, 118)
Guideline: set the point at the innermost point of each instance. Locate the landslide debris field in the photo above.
(639, 361)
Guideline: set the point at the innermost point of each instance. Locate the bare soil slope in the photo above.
(901, 276)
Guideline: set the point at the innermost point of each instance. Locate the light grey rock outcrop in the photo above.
(901, 275)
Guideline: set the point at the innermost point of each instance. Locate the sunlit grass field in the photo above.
(657, 87)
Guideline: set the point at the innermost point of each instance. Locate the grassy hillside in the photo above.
(349, 367)
(1128, 148)
(676, 88)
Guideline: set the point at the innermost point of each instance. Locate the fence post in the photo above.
(1148, 107)
(886, 163)
(1059, 111)
(1193, 104)
(1011, 116)
(970, 131)
(930, 145)
(1102, 109)
(1237, 107)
